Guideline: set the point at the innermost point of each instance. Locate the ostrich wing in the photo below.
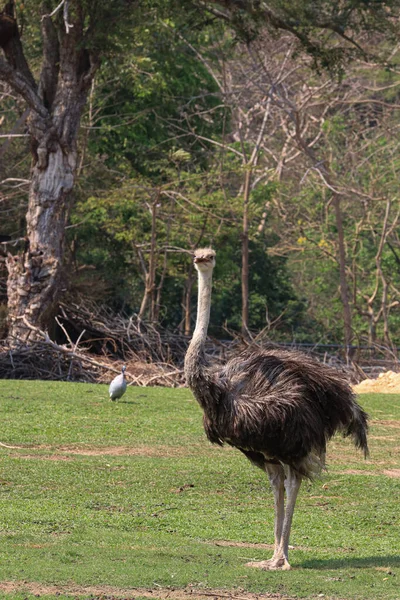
(283, 404)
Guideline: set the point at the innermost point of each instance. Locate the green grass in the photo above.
(131, 495)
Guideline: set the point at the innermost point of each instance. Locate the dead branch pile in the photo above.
(44, 359)
(92, 345)
(118, 336)
(41, 360)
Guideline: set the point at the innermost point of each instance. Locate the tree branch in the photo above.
(20, 84)
(51, 60)
(15, 56)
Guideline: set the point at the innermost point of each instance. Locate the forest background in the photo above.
(208, 124)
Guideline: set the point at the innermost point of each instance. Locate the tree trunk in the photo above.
(245, 255)
(34, 280)
(371, 326)
(344, 288)
(150, 277)
(153, 257)
(56, 104)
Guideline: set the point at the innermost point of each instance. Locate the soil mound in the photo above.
(385, 383)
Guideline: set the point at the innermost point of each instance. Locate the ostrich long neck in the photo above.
(203, 309)
(196, 364)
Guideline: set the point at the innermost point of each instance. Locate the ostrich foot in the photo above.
(273, 564)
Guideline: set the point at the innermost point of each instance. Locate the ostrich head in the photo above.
(204, 260)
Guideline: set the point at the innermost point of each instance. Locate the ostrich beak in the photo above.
(204, 255)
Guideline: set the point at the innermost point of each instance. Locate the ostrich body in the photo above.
(118, 385)
(278, 407)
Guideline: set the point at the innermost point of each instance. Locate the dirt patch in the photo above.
(385, 383)
(384, 570)
(158, 451)
(392, 472)
(42, 456)
(358, 472)
(394, 424)
(387, 472)
(111, 592)
(64, 452)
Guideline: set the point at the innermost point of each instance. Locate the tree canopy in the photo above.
(266, 126)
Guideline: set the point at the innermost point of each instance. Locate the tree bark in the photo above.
(56, 105)
(245, 255)
(150, 274)
(34, 280)
(344, 288)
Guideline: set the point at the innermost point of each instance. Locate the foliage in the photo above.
(121, 224)
(161, 137)
(174, 114)
(159, 82)
(360, 139)
(332, 34)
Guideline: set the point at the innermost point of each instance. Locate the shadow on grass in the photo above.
(352, 563)
(126, 402)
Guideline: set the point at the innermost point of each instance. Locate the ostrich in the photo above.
(278, 407)
(118, 385)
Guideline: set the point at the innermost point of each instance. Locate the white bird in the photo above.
(118, 385)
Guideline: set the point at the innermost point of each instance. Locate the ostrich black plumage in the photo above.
(278, 407)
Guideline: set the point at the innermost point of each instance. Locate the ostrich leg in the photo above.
(276, 477)
(291, 483)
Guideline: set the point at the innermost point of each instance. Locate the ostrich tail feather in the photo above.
(358, 429)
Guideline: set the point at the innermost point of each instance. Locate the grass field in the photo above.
(128, 499)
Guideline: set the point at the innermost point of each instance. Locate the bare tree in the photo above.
(302, 150)
(246, 95)
(377, 305)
